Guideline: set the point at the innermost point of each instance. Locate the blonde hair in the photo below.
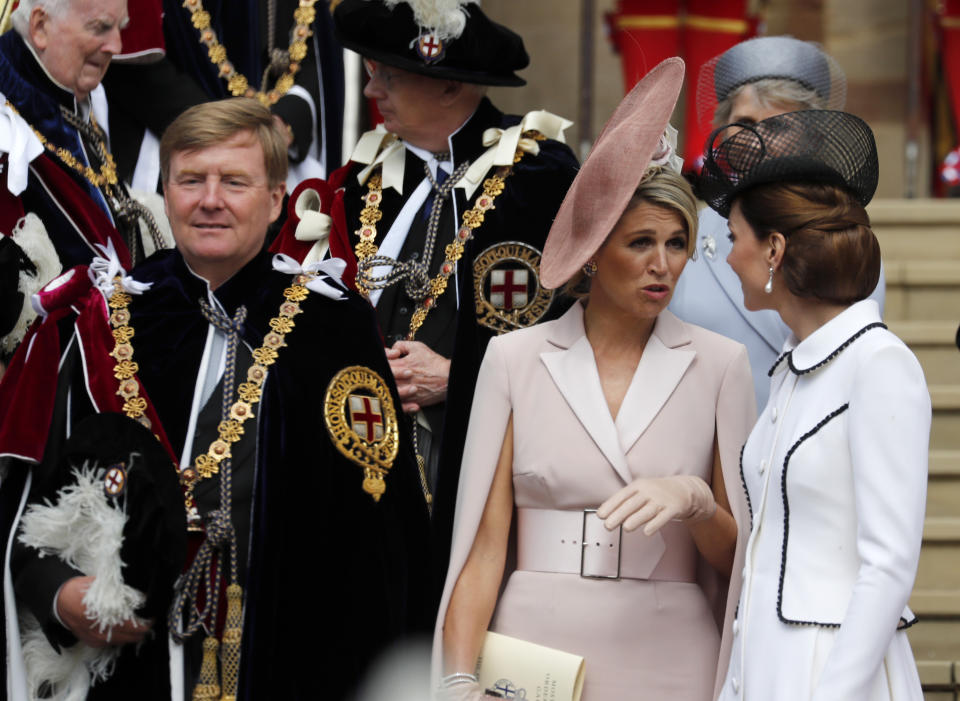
(211, 123)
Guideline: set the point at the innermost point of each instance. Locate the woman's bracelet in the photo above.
(458, 678)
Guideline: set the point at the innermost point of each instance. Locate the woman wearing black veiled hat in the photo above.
(835, 469)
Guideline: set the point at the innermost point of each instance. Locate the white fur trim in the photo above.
(32, 238)
(445, 18)
(85, 531)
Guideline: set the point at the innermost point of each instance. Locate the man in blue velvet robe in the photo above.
(55, 161)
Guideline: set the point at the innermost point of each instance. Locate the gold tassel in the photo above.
(207, 687)
(232, 635)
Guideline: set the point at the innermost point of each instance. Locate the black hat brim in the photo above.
(486, 53)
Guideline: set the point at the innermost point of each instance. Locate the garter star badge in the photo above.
(430, 48)
(362, 423)
(115, 480)
(506, 285)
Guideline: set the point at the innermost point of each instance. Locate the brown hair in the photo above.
(832, 253)
(211, 123)
(661, 187)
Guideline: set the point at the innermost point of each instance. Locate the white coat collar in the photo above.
(827, 342)
(714, 245)
(574, 371)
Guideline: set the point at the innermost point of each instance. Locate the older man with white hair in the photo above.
(59, 194)
(442, 211)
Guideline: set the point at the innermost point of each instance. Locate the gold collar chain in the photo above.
(369, 216)
(206, 464)
(108, 171)
(237, 83)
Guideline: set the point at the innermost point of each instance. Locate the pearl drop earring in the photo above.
(768, 288)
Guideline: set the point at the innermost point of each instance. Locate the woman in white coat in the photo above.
(835, 469)
(617, 405)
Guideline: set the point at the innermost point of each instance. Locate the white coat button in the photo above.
(736, 627)
(773, 415)
(763, 466)
(735, 683)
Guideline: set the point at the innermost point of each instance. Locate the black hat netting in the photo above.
(812, 146)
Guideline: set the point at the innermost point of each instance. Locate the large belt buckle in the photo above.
(584, 544)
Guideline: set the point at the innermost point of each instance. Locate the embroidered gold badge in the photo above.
(362, 423)
(507, 289)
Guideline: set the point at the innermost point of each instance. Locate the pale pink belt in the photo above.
(577, 542)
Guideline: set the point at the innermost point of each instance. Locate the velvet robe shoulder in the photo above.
(72, 210)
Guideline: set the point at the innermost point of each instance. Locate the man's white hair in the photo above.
(20, 19)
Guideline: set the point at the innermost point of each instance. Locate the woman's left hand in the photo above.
(655, 501)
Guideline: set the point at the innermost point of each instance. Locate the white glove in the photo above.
(468, 691)
(655, 501)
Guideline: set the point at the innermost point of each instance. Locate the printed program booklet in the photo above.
(517, 669)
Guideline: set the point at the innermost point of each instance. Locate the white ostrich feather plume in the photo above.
(85, 531)
(445, 18)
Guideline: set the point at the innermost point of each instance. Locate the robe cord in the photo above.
(416, 273)
(119, 200)
(218, 524)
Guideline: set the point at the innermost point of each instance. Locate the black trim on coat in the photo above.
(903, 624)
(796, 371)
(743, 481)
(786, 510)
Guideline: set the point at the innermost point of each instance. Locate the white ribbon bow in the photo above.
(20, 144)
(103, 269)
(331, 267)
(502, 145)
(392, 157)
(314, 225)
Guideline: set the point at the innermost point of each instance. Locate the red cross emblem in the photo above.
(114, 481)
(430, 48)
(508, 288)
(366, 417)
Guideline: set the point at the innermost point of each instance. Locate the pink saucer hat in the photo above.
(608, 178)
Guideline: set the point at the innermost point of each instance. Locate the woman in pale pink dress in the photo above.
(617, 405)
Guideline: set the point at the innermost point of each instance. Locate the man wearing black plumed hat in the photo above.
(442, 211)
(204, 497)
